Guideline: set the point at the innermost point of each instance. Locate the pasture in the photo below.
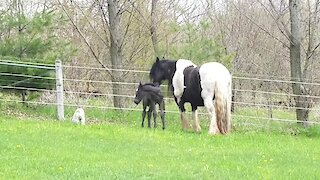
(34, 145)
(59, 56)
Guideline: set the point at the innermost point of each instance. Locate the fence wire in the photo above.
(74, 89)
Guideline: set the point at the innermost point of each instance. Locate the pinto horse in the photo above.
(208, 85)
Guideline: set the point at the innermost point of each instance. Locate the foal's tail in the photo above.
(223, 107)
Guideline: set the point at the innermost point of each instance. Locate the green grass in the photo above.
(113, 146)
(37, 149)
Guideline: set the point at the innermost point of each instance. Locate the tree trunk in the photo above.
(153, 29)
(295, 60)
(115, 50)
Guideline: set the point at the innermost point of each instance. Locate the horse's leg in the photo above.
(195, 124)
(149, 117)
(213, 128)
(184, 122)
(162, 113)
(154, 110)
(143, 115)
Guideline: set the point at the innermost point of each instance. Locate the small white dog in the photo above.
(78, 116)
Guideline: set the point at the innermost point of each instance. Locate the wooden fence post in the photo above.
(59, 88)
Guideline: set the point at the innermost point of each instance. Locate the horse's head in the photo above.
(162, 70)
(139, 94)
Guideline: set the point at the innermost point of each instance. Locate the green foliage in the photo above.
(198, 44)
(20, 76)
(30, 39)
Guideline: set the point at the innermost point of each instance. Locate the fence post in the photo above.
(59, 88)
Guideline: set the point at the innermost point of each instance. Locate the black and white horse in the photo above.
(208, 85)
(150, 94)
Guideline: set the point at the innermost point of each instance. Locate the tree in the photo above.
(295, 59)
(115, 48)
(198, 44)
(259, 33)
(28, 38)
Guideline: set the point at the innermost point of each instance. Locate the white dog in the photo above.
(78, 116)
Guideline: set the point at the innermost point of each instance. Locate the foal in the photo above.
(150, 94)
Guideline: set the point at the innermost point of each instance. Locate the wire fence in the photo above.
(88, 87)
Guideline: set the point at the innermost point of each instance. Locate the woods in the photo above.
(267, 39)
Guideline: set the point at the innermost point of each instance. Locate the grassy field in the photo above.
(113, 146)
(47, 149)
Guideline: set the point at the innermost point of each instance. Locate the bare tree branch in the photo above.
(90, 24)
(105, 22)
(125, 32)
(145, 21)
(285, 30)
(261, 28)
(85, 40)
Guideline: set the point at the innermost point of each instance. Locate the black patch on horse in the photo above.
(192, 91)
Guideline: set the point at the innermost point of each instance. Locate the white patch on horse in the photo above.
(178, 77)
(216, 81)
(79, 116)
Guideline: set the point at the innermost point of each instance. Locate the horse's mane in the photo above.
(153, 69)
(157, 63)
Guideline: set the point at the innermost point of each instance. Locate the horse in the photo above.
(150, 95)
(79, 116)
(208, 85)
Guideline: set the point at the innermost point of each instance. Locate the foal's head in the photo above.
(139, 94)
(144, 90)
(162, 70)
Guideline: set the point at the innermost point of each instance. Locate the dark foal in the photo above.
(150, 94)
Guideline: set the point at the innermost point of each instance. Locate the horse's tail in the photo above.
(223, 107)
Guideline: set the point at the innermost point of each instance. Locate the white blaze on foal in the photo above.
(78, 116)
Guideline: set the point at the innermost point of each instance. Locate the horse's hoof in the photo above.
(214, 132)
(185, 127)
(197, 129)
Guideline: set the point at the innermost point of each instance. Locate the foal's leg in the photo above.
(213, 128)
(143, 115)
(149, 117)
(162, 113)
(195, 124)
(184, 122)
(154, 110)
